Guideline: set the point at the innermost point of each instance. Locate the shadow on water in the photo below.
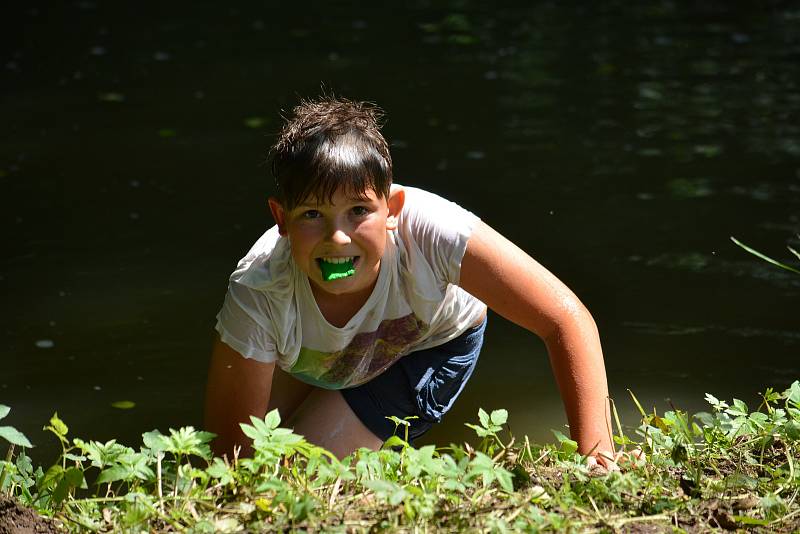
(621, 146)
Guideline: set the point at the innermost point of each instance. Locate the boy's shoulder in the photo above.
(427, 205)
(266, 263)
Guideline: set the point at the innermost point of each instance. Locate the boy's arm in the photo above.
(237, 388)
(515, 286)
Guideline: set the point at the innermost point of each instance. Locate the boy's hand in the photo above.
(606, 461)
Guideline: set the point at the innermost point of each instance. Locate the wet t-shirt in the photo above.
(270, 314)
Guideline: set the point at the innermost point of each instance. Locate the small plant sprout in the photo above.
(15, 438)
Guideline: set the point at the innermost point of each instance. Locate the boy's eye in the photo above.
(310, 214)
(360, 210)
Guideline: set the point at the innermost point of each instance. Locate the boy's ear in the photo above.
(397, 197)
(278, 213)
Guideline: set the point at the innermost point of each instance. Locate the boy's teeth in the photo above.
(338, 260)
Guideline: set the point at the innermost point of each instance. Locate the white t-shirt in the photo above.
(270, 314)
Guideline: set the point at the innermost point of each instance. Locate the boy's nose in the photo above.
(338, 235)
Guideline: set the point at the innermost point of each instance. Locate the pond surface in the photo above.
(621, 147)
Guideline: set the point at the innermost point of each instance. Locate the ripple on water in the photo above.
(677, 329)
(713, 264)
(690, 187)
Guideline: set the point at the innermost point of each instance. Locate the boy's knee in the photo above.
(325, 419)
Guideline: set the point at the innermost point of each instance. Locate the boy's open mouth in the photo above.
(336, 268)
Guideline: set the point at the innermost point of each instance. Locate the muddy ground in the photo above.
(17, 519)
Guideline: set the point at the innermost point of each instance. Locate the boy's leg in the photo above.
(325, 419)
(424, 383)
(287, 394)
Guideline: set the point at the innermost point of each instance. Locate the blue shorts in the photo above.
(423, 383)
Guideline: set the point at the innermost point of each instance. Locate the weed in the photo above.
(729, 468)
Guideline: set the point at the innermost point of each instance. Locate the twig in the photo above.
(784, 518)
(618, 523)
(516, 512)
(581, 511)
(334, 492)
(596, 510)
(188, 504)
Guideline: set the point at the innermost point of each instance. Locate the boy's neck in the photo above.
(339, 309)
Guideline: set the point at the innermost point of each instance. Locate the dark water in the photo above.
(620, 146)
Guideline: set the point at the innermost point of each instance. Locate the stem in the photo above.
(159, 456)
(619, 426)
(9, 455)
(177, 477)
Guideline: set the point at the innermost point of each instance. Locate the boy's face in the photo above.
(325, 234)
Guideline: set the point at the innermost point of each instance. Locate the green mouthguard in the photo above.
(334, 271)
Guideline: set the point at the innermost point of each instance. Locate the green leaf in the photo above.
(4, 410)
(499, 417)
(386, 489)
(793, 394)
(747, 520)
(705, 418)
(679, 454)
(483, 417)
(74, 477)
(112, 474)
(792, 430)
(205, 437)
(273, 419)
(482, 432)
(741, 406)
(504, 478)
(759, 419)
(250, 430)
(155, 441)
(395, 441)
(123, 404)
(397, 421)
(569, 446)
(14, 436)
(220, 470)
(61, 491)
(662, 424)
(53, 475)
(58, 426)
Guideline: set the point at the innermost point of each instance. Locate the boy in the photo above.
(371, 299)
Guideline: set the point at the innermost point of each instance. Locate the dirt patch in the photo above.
(17, 519)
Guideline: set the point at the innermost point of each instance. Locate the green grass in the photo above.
(728, 468)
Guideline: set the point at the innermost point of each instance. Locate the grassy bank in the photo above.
(728, 468)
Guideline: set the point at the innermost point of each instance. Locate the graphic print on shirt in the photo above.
(368, 355)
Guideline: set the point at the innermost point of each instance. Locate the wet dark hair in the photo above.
(330, 143)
